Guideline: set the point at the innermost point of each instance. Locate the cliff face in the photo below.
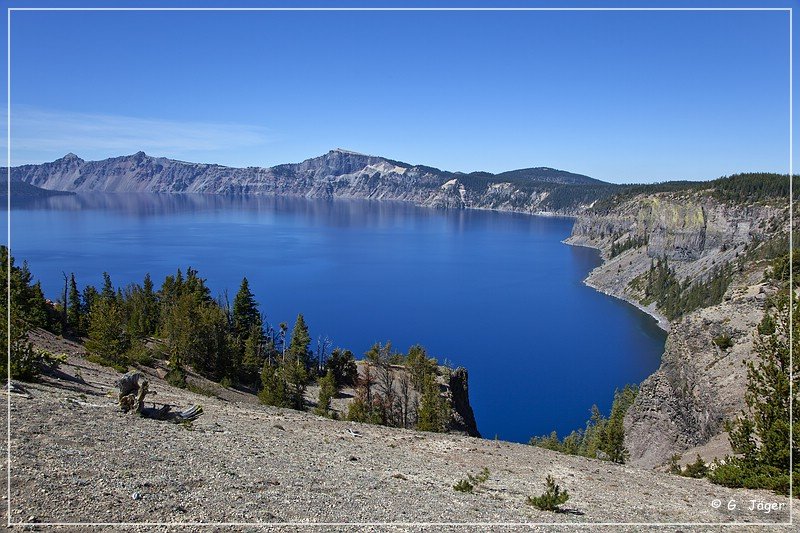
(337, 174)
(453, 386)
(463, 419)
(698, 385)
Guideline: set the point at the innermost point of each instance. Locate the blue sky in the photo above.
(620, 96)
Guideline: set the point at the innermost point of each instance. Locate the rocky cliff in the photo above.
(463, 419)
(337, 174)
(698, 385)
(453, 386)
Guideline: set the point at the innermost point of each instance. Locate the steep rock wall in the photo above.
(698, 385)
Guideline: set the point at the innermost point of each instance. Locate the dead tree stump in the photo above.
(133, 388)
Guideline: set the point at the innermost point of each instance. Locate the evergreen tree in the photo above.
(28, 310)
(300, 343)
(295, 376)
(273, 387)
(196, 286)
(603, 438)
(107, 336)
(613, 439)
(211, 351)
(327, 391)
(245, 311)
(761, 436)
(343, 366)
(108, 292)
(434, 412)
(420, 365)
(89, 297)
(75, 317)
(254, 355)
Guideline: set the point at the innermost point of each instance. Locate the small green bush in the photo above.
(551, 498)
(674, 466)
(463, 486)
(176, 377)
(472, 482)
(198, 389)
(140, 354)
(696, 469)
(116, 365)
(737, 472)
(724, 341)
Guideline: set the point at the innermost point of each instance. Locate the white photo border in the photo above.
(395, 524)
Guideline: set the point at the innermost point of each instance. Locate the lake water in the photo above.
(497, 293)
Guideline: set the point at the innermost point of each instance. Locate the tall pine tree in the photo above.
(75, 317)
(299, 346)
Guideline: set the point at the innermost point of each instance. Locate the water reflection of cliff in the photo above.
(325, 212)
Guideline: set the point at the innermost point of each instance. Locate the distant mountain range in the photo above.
(337, 174)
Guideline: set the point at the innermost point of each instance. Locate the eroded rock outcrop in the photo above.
(699, 384)
(463, 419)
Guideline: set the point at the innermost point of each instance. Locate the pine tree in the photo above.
(767, 395)
(75, 308)
(107, 336)
(761, 436)
(327, 391)
(245, 311)
(28, 310)
(420, 365)
(551, 498)
(89, 297)
(108, 292)
(300, 343)
(149, 307)
(196, 286)
(254, 355)
(433, 414)
(295, 376)
(273, 387)
(613, 437)
(344, 368)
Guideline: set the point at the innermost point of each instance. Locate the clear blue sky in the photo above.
(620, 96)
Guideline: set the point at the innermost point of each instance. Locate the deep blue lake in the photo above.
(498, 293)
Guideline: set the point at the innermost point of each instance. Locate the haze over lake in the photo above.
(498, 293)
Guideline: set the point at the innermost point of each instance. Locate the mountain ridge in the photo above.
(339, 173)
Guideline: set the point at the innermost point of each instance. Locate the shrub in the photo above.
(674, 467)
(551, 498)
(738, 472)
(472, 482)
(116, 365)
(724, 341)
(463, 486)
(199, 389)
(697, 469)
(176, 377)
(140, 354)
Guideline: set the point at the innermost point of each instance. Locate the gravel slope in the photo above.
(77, 458)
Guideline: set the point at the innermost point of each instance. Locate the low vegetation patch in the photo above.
(697, 469)
(551, 499)
(472, 482)
(723, 341)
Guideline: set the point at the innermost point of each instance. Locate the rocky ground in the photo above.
(77, 458)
